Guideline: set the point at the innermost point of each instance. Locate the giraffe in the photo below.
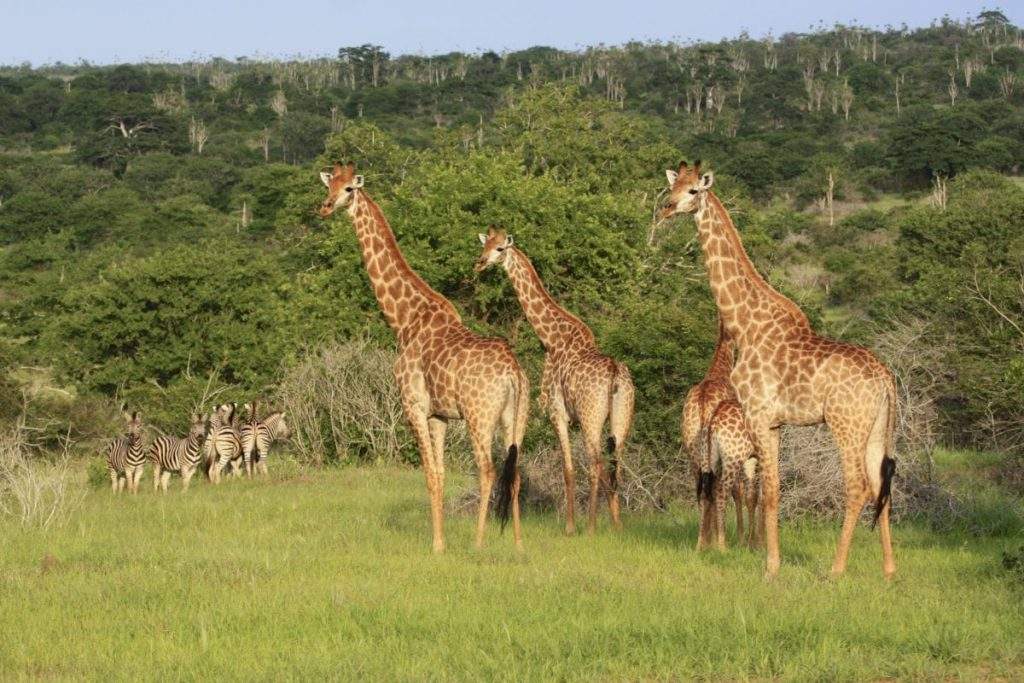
(443, 370)
(578, 383)
(727, 442)
(701, 401)
(785, 373)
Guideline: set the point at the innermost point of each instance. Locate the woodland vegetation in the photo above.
(160, 245)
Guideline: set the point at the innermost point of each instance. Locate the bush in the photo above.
(343, 406)
(34, 491)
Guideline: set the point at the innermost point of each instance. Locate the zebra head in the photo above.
(197, 428)
(134, 422)
(283, 430)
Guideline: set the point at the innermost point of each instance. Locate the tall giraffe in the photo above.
(787, 374)
(578, 383)
(700, 405)
(444, 371)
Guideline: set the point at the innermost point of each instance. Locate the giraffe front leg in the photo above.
(768, 444)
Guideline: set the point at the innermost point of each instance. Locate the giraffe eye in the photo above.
(350, 189)
(693, 191)
(499, 248)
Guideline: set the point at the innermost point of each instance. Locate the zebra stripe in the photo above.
(227, 445)
(126, 457)
(258, 435)
(171, 454)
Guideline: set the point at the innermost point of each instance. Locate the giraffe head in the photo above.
(685, 188)
(496, 243)
(134, 422)
(342, 183)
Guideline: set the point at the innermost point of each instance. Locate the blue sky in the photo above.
(102, 31)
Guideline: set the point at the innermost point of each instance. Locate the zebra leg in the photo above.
(137, 479)
(247, 460)
(218, 468)
(165, 479)
(113, 481)
(156, 476)
(186, 477)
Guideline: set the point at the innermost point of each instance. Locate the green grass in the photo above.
(329, 574)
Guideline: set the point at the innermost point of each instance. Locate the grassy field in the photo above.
(329, 574)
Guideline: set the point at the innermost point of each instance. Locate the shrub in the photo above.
(34, 491)
(343, 406)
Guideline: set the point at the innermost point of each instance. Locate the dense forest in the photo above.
(159, 233)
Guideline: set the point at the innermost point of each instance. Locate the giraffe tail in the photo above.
(889, 459)
(520, 395)
(508, 474)
(707, 444)
(621, 397)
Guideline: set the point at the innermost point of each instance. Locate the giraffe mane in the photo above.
(405, 270)
(548, 300)
(755, 278)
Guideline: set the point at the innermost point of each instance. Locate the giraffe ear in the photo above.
(482, 237)
(357, 181)
(707, 180)
(671, 176)
(509, 241)
(325, 178)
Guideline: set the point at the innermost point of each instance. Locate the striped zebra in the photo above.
(257, 436)
(226, 446)
(126, 457)
(219, 416)
(171, 454)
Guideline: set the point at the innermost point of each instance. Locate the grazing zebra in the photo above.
(227, 446)
(171, 454)
(257, 436)
(125, 457)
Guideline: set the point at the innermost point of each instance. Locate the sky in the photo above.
(105, 32)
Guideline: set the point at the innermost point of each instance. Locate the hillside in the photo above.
(159, 237)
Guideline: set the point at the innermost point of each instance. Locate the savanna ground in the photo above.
(328, 573)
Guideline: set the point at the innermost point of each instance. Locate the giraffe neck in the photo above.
(736, 285)
(721, 362)
(556, 327)
(404, 298)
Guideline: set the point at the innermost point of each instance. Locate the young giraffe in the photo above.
(444, 371)
(701, 401)
(787, 374)
(727, 441)
(578, 383)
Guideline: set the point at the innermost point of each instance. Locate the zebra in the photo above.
(257, 435)
(171, 454)
(219, 416)
(226, 446)
(125, 456)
